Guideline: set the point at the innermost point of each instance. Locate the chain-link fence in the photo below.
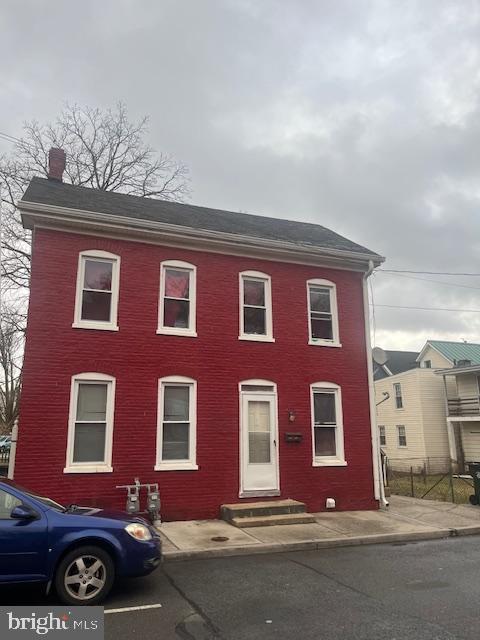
(428, 478)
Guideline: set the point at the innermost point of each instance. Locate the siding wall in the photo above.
(432, 396)
(467, 386)
(438, 361)
(136, 356)
(411, 416)
(471, 440)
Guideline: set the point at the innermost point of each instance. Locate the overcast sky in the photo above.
(361, 115)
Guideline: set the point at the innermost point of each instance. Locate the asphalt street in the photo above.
(423, 590)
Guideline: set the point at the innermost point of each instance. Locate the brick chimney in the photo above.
(56, 164)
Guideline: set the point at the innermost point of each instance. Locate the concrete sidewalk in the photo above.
(406, 519)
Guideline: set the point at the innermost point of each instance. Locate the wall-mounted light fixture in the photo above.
(291, 415)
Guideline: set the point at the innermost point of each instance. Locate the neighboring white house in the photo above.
(463, 411)
(412, 423)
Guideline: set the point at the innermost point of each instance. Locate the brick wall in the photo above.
(137, 357)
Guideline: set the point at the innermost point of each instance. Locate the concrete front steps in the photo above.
(262, 514)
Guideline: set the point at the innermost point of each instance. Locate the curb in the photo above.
(326, 543)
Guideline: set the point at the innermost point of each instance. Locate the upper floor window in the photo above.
(327, 424)
(397, 387)
(383, 435)
(176, 434)
(427, 364)
(322, 313)
(255, 307)
(177, 308)
(90, 430)
(96, 299)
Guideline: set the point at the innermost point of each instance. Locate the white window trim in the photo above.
(395, 384)
(268, 337)
(177, 465)
(89, 467)
(401, 446)
(191, 331)
(380, 428)
(78, 323)
(335, 342)
(339, 459)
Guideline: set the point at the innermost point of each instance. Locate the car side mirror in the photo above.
(23, 512)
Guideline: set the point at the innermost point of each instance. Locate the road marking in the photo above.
(139, 608)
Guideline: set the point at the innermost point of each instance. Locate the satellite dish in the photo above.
(379, 356)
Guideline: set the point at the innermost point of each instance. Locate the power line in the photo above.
(398, 306)
(448, 284)
(431, 273)
(8, 138)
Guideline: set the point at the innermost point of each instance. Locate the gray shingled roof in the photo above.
(398, 362)
(60, 194)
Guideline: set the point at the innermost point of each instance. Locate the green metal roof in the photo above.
(455, 351)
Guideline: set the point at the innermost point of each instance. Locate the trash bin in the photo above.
(474, 469)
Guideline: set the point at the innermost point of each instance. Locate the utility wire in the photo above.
(431, 273)
(449, 284)
(398, 306)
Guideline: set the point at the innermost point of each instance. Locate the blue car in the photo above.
(79, 550)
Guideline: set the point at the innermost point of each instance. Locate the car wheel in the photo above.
(85, 576)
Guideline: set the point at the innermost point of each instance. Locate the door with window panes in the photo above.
(259, 443)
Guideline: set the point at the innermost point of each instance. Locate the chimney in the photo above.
(56, 164)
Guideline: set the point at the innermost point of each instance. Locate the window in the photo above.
(90, 432)
(7, 503)
(427, 364)
(177, 313)
(176, 434)
(327, 424)
(96, 299)
(322, 313)
(402, 435)
(255, 307)
(383, 435)
(397, 387)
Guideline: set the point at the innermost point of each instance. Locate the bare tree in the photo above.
(11, 348)
(104, 149)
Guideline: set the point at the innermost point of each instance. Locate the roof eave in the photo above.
(34, 214)
(453, 371)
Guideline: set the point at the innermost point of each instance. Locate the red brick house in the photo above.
(222, 355)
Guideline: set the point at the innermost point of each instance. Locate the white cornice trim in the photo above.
(34, 214)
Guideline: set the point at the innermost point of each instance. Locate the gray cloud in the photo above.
(363, 115)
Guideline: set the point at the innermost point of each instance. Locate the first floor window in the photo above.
(402, 435)
(322, 312)
(91, 423)
(177, 298)
(176, 423)
(255, 306)
(383, 435)
(327, 424)
(97, 290)
(397, 387)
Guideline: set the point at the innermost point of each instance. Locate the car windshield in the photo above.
(48, 502)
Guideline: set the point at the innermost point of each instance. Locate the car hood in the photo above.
(110, 514)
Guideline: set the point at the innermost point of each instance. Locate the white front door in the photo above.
(259, 459)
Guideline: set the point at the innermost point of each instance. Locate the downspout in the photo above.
(379, 489)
